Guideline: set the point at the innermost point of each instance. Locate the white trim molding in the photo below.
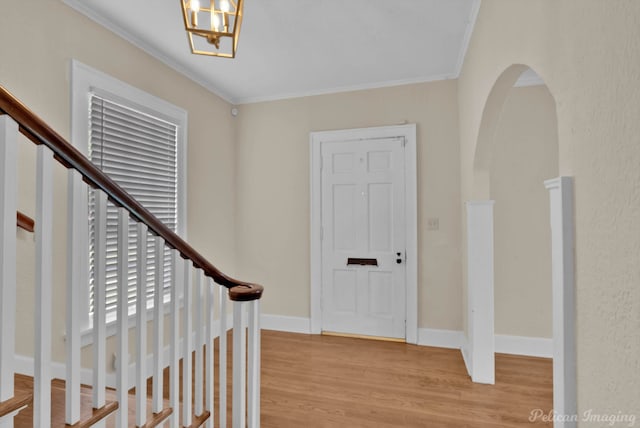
(480, 307)
(80, 7)
(528, 78)
(437, 338)
(528, 346)
(408, 132)
(86, 80)
(563, 299)
(471, 23)
(450, 339)
(285, 323)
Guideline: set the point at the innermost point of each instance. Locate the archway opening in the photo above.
(517, 150)
(524, 154)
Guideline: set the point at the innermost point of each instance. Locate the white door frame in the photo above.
(411, 211)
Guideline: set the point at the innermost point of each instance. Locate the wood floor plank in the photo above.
(323, 381)
(336, 382)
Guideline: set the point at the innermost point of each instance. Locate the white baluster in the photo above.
(158, 324)
(222, 357)
(122, 310)
(99, 302)
(43, 288)
(198, 377)
(186, 345)
(239, 367)
(253, 386)
(141, 324)
(209, 337)
(174, 361)
(8, 173)
(78, 271)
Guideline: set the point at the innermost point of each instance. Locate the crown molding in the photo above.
(524, 81)
(342, 89)
(471, 23)
(81, 7)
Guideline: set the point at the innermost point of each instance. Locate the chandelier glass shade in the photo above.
(213, 26)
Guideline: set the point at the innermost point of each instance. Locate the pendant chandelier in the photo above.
(213, 26)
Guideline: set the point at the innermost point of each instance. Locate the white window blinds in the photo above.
(139, 152)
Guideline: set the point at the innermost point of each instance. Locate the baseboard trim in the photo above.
(439, 338)
(451, 339)
(285, 323)
(526, 346)
(25, 364)
(466, 358)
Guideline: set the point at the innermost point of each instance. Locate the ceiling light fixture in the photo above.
(213, 27)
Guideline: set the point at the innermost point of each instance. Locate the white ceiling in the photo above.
(291, 48)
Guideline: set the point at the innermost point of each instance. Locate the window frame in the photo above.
(86, 81)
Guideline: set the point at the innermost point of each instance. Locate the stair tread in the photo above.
(198, 421)
(96, 415)
(89, 416)
(17, 402)
(157, 418)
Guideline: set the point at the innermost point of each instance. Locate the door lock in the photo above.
(399, 259)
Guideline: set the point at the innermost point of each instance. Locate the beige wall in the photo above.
(273, 190)
(525, 154)
(588, 53)
(38, 39)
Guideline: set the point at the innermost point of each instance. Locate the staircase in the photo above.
(182, 381)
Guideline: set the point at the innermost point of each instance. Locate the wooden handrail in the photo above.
(25, 222)
(35, 129)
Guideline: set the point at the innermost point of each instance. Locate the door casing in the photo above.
(316, 139)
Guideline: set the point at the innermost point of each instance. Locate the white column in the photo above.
(122, 310)
(78, 271)
(99, 302)
(253, 369)
(141, 325)
(187, 330)
(209, 349)
(44, 288)
(480, 317)
(158, 326)
(239, 367)
(198, 375)
(222, 356)
(8, 188)
(563, 299)
(174, 348)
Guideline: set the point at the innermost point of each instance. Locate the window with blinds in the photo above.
(139, 152)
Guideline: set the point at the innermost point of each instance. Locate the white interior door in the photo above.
(363, 237)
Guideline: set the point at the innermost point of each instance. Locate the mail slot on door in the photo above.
(362, 262)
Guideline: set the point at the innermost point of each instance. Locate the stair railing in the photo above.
(204, 289)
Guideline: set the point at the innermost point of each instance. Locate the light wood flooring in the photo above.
(336, 382)
(323, 381)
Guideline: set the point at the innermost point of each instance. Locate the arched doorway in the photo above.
(520, 264)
